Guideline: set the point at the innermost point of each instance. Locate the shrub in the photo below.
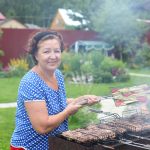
(142, 57)
(102, 69)
(82, 118)
(145, 53)
(100, 76)
(96, 58)
(17, 67)
(1, 54)
(122, 78)
(70, 63)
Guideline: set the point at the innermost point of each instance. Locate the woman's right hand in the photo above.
(72, 108)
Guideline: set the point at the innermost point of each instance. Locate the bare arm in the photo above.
(41, 121)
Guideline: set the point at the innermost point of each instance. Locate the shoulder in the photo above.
(30, 78)
(31, 87)
(58, 73)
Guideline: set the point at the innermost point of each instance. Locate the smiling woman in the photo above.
(42, 106)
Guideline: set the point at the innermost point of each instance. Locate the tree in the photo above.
(40, 12)
(117, 24)
(116, 21)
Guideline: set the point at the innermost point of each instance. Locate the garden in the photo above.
(122, 24)
(84, 74)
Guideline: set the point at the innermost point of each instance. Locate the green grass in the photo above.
(8, 89)
(141, 71)
(74, 90)
(7, 125)
(8, 93)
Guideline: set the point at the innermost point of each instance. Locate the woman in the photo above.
(42, 108)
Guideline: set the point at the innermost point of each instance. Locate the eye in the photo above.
(57, 50)
(46, 52)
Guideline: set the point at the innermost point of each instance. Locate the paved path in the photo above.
(14, 104)
(8, 105)
(140, 75)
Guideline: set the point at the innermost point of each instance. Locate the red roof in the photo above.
(2, 17)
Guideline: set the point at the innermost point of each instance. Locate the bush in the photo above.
(103, 69)
(17, 67)
(3, 74)
(109, 69)
(142, 57)
(82, 118)
(70, 62)
(122, 78)
(100, 76)
(1, 54)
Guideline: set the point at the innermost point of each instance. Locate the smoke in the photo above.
(116, 21)
(115, 17)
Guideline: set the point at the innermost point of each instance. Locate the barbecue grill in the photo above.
(131, 132)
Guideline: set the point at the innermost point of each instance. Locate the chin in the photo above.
(52, 68)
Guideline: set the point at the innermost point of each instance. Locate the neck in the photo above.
(47, 75)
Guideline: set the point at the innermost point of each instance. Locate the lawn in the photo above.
(8, 89)
(8, 93)
(6, 127)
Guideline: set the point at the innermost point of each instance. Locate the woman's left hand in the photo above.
(88, 99)
(92, 99)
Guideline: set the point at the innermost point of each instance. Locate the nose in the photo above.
(52, 54)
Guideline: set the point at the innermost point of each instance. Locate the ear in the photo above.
(36, 57)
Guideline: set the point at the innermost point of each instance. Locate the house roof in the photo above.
(32, 26)
(2, 17)
(66, 15)
(4, 23)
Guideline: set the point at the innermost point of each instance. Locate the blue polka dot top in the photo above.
(33, 88)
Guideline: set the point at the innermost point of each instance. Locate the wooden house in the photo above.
(11, 23)
(64, 20)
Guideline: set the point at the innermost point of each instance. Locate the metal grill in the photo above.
(113, 132)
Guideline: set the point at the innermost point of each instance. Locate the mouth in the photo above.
(54, 62)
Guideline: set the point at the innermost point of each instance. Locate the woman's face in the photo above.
(49, 54)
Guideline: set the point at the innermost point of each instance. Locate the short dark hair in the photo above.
(42, 36)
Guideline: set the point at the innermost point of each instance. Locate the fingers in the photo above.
(92, 99)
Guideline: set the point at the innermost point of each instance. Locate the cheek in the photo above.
(40, 57)
(58, 56)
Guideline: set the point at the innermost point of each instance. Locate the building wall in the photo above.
(58, 22)
(14, 41)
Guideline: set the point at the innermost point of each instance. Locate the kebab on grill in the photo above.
(91, 134)
(100, 132)
(78, 136)
(115, 128)
(132, 94)
(131, 126)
